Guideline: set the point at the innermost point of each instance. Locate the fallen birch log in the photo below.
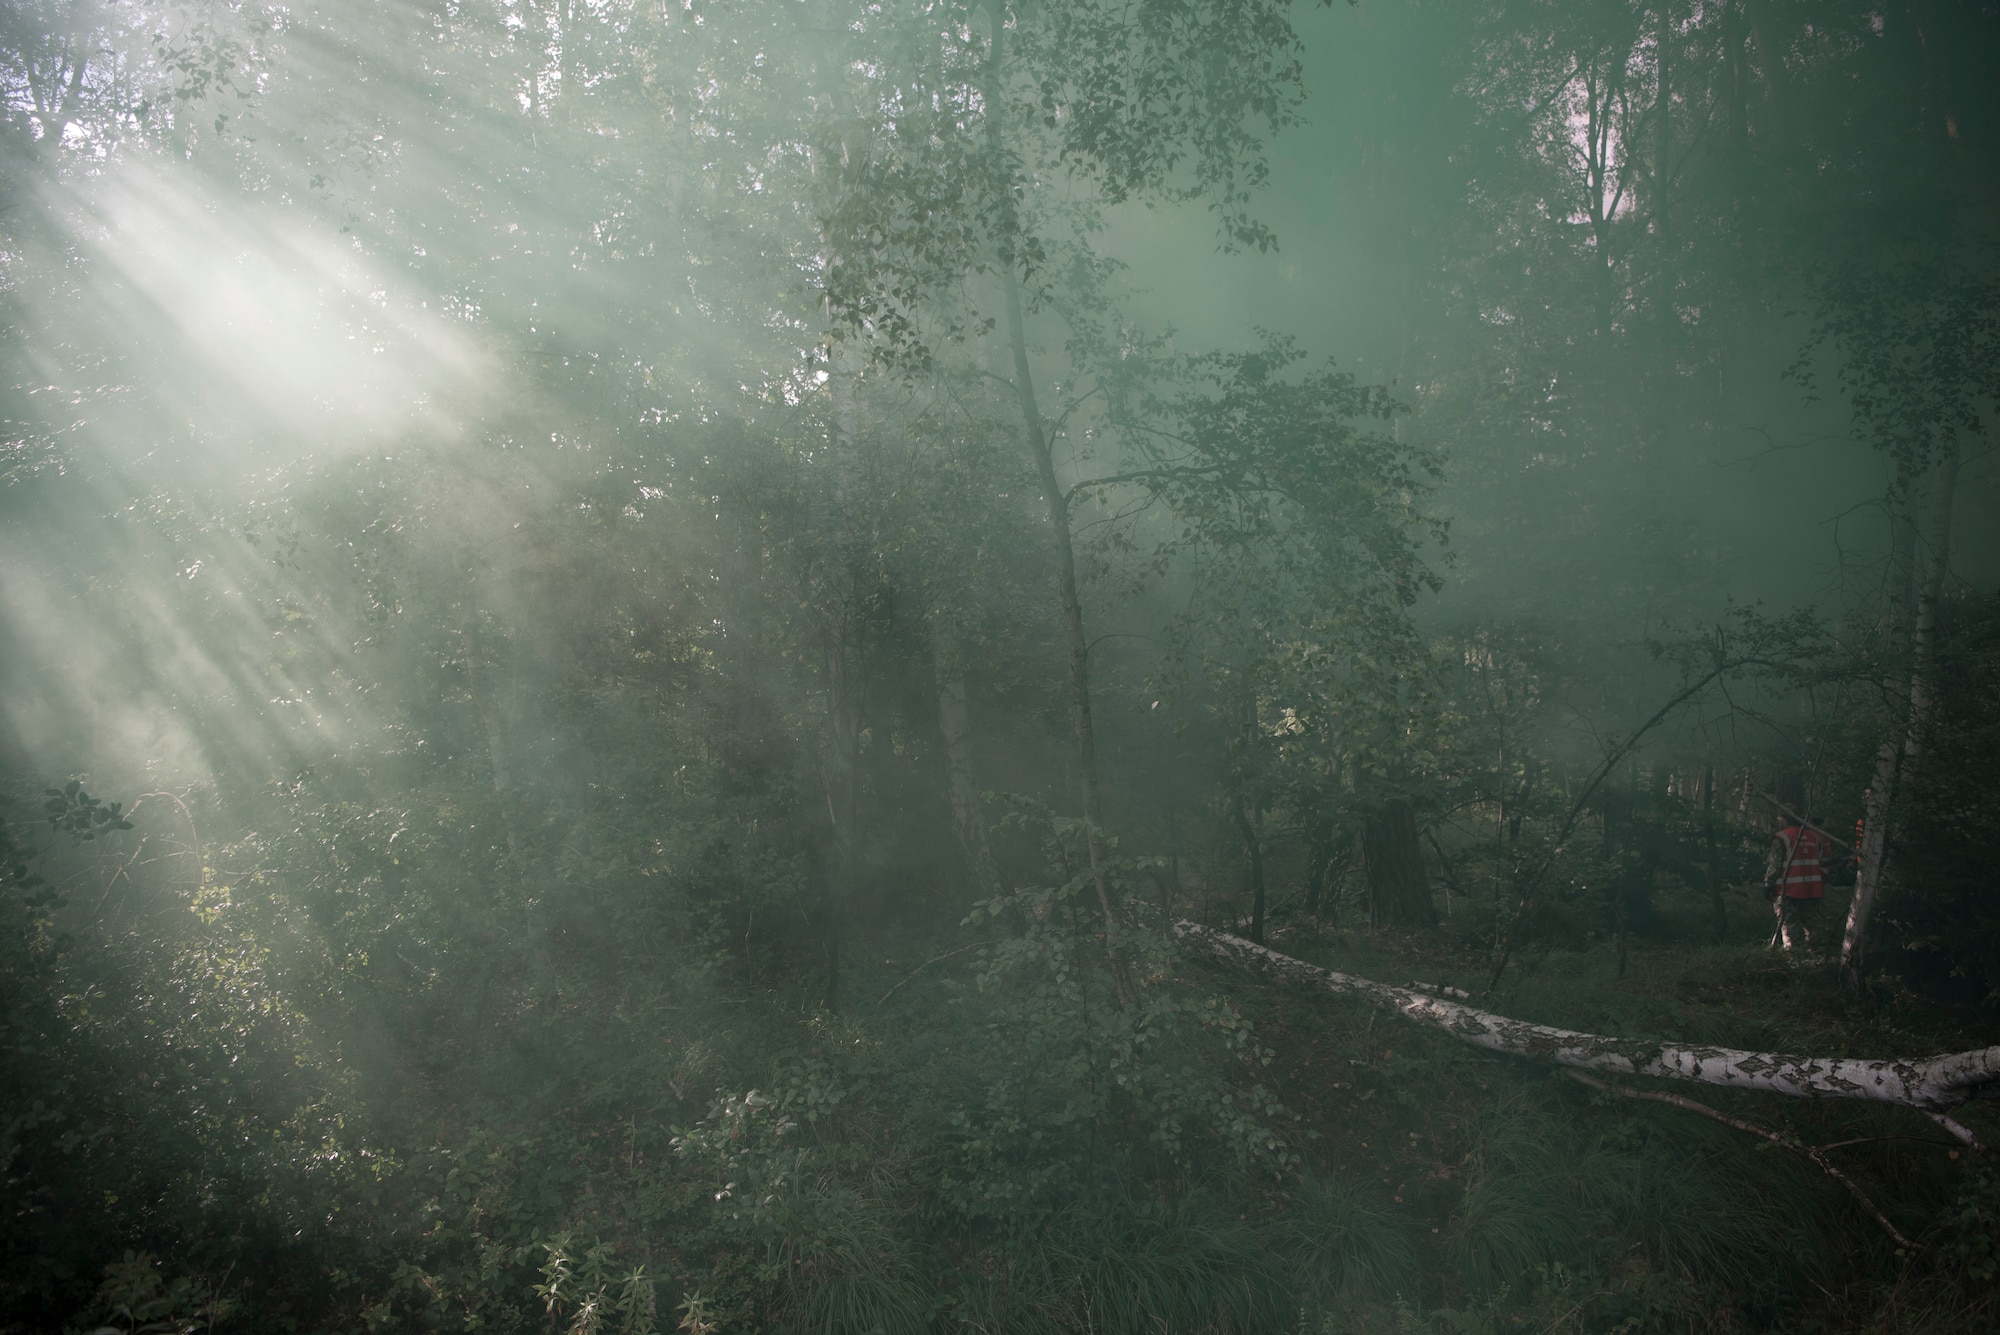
(1929, 1084)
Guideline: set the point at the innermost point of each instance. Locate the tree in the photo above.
(952, 174)
(1918, 341)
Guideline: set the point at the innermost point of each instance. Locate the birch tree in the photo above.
(1916, 351)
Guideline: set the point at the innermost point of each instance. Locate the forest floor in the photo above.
(1440, 1131)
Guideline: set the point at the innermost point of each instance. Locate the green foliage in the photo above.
(72, 811)
(584, 1293)
(135, 1298)
(1165, 102)
(1918, 331)
(1177, 1071)
(67, 811)
(1973, 1240)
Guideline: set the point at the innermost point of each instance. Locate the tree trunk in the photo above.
(1896, 759)
(1596, 175)
(1926, 634)
(566, 58)
(968, 812)
(1631, 842)
(1041, 452)
(1718, 911)
(1399, 891)
(844, 719)
(1739, 116)
(1319, 869)
(479, 682)
(1254, 850)
(1926, 1083)
(1662, 171)
(1902, 570)
(1772, 59)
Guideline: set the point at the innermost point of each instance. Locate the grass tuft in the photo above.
(1112, 1266)
(850, 1270)
(1518, 1211)
(1338, 1242)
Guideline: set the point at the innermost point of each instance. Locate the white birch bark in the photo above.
(1896, 761)
(1928, 1083)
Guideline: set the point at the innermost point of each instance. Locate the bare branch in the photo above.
(1815, 1153)
(1141, 475)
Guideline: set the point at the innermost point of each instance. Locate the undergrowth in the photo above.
(988, 1142)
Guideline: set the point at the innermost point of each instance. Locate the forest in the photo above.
(953, 667)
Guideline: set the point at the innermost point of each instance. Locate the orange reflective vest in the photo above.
(1804, 862)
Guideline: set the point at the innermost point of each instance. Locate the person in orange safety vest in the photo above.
(1795, 878)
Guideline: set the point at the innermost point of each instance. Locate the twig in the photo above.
(123, 871)
(1870, 1140)
(1574, 1310)
(1444, 863)
(1813, 1152)
(927, 964)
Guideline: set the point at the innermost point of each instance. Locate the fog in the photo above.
(671, 667)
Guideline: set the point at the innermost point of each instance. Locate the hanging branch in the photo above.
(925, 965)
(1722, 668)
(1785, 809)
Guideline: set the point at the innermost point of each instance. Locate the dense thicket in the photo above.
(626, 627)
